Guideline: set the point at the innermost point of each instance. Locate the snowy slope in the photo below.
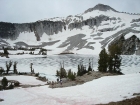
(103, 90)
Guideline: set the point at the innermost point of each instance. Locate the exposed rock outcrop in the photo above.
(100, 7)
(129, 46)
(135, 20)
(89, 22)
(12, 30)
(116, 36)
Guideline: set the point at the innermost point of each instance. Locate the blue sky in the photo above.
(21, 11)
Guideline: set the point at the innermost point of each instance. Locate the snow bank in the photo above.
(103, 90)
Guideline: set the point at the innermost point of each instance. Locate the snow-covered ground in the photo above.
(102, 90)
(25, 80)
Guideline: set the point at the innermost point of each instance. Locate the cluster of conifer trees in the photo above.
(110, 62)
(82, 70)
(62, 73)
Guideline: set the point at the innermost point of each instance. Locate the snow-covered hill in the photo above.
(85, 33)
(103, 90)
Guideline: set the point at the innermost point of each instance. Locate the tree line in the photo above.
(62, 73)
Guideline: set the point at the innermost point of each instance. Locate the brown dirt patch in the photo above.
(132, 101)
(81, 79)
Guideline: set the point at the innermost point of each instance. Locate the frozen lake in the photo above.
(48, 66)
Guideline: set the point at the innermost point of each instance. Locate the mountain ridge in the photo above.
(99, 26)
(100, 7)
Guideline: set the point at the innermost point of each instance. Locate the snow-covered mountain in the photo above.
(85, 33)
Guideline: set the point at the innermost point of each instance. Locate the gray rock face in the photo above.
(135, 20)
(100, 7)
(106, 29)
(116, 36)
(21, 44)
(129, 46)
(135, 25)
(89, 22)
(76, 41)
(12, 30)
(123, 25)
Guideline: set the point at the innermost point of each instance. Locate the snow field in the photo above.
(102, 90)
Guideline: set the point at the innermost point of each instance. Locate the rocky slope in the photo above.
(85, 33)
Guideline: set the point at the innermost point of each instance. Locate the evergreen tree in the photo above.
(57, 73)
(114, 49)
(4, 82)
(110, 64)
(81, 70)
(1, 70)
(69, 73)
(63, 73)
(5, 51)
(103, 61)
(84, 70)
(89, 67)
(115, 58)
(78, 72)
(72, 76)
(117, 63)
(8, 66)
(15, 67)
(31, 66)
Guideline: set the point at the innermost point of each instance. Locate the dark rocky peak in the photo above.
(100, 7)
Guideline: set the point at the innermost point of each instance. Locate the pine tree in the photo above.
(114, 58)
(5, 51)
(81, 70)
(63, 73)
(8, 66)
(4, 82)
(15, 67)
(114, 49)
(72, 76)
(110, 64)
(1, 70)
(84, 70)
(117, 63)
(103, 61)
(69, 73)
(31, 66)
(78, 72)
(57, 73)
(89, 67)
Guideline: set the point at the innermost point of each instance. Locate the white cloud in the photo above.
(33, 10)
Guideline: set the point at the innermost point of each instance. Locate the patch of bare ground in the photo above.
(132, 101)
(28, 86)
(81, 79)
